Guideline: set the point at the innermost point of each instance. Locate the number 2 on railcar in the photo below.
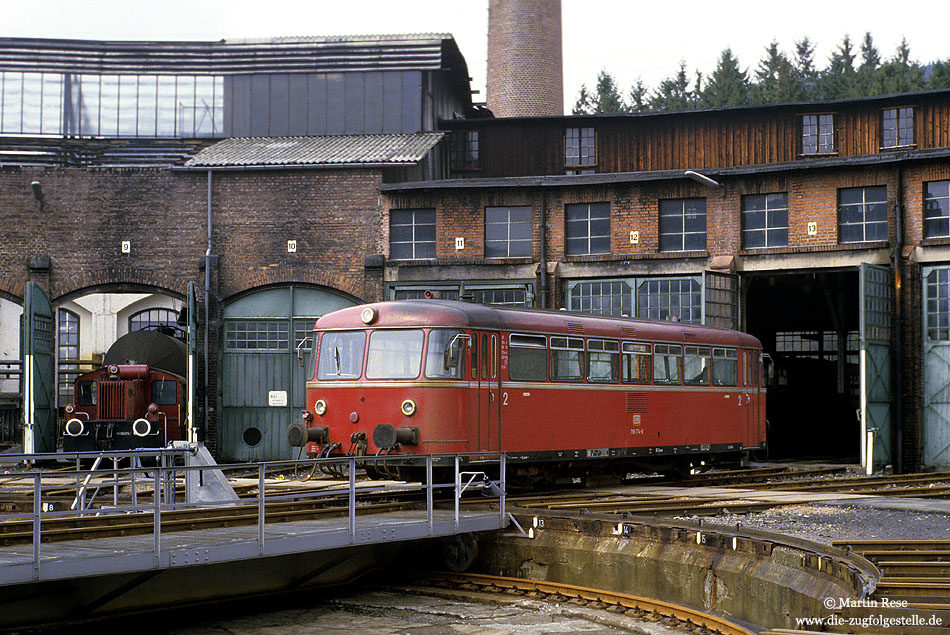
(563, 394)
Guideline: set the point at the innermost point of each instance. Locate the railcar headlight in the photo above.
(70, 409)
(367, 315)
(320, 407)
(408, 407)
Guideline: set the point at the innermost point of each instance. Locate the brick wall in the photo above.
(332, 215)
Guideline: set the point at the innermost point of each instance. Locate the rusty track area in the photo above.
(915, 571)
(633, 606)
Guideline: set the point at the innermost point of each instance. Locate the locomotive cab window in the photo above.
(527, 357)
(697, 363)
(394, 354)
(164, 392)
(637, 361)
(666, 363)
(567, 358)
(445, 356)
(724, 366)
(603, 361)
(341, 355)
(86, 393)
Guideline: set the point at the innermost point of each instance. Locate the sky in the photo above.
(629, 38)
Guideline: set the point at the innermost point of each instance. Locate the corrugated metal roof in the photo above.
(377, 149)
(426, 51)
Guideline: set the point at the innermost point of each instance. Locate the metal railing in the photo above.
(153, 487)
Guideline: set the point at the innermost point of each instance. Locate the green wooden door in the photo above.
(262, 382)
(39, 382)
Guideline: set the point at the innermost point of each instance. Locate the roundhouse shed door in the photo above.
(262, 383)
(936, 375)
(38, 385)
(875, 360)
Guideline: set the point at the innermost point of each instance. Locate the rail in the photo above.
(152, 487)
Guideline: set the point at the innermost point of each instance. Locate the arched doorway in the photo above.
(264, 339)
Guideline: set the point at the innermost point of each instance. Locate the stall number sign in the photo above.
(277, 398)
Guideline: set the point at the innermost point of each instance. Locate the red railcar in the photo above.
(561, 393)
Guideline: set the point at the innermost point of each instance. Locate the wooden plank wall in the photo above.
(742, 136)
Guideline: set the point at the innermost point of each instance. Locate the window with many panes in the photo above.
(683, 224)
(508, 232)
(764, 220)
(587, 228)
(818, 134)
(897, 127)
(670, 298)
(580, 150)
(263, 335)
(938, 305)
(937, 209)
(609, 297)
(463, 150)
(164, 320)
(411, 234)
(862, 214)
(68, 343)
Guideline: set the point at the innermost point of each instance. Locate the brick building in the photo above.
(821, 228)
(243, 172)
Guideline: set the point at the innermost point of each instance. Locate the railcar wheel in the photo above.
(459, 552)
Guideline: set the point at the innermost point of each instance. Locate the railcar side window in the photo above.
(341, 355)
(666, 363)
(697, 363)
(637, 361)
(475, 357)
(603, 360)
(394, 354)
(437, 355)
(725, 361)
(164, 392)
(567, 358)
(527, 357)
(86, 393)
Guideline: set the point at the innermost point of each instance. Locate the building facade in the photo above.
(245, 173)
(821, 228)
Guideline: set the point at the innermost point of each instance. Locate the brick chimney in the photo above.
(525, 76)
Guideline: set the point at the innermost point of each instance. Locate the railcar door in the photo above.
(750, 398)
(488, 384)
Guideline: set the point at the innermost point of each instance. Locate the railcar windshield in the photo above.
(394, 354)
(341, 355)
(445, 356)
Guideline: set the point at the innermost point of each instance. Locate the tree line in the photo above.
(778, 78)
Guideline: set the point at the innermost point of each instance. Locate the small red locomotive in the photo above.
(130, 403)
(561, 393)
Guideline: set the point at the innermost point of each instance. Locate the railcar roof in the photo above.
(451, 313)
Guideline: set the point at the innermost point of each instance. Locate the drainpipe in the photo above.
(544, 251)
(899, 329)
(207, 310)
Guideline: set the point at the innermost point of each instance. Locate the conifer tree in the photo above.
(775, 78)
(727, 86)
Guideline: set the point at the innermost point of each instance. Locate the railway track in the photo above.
(61, 528)
(673, 615)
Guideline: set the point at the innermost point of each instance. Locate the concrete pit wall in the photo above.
(759, 578)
